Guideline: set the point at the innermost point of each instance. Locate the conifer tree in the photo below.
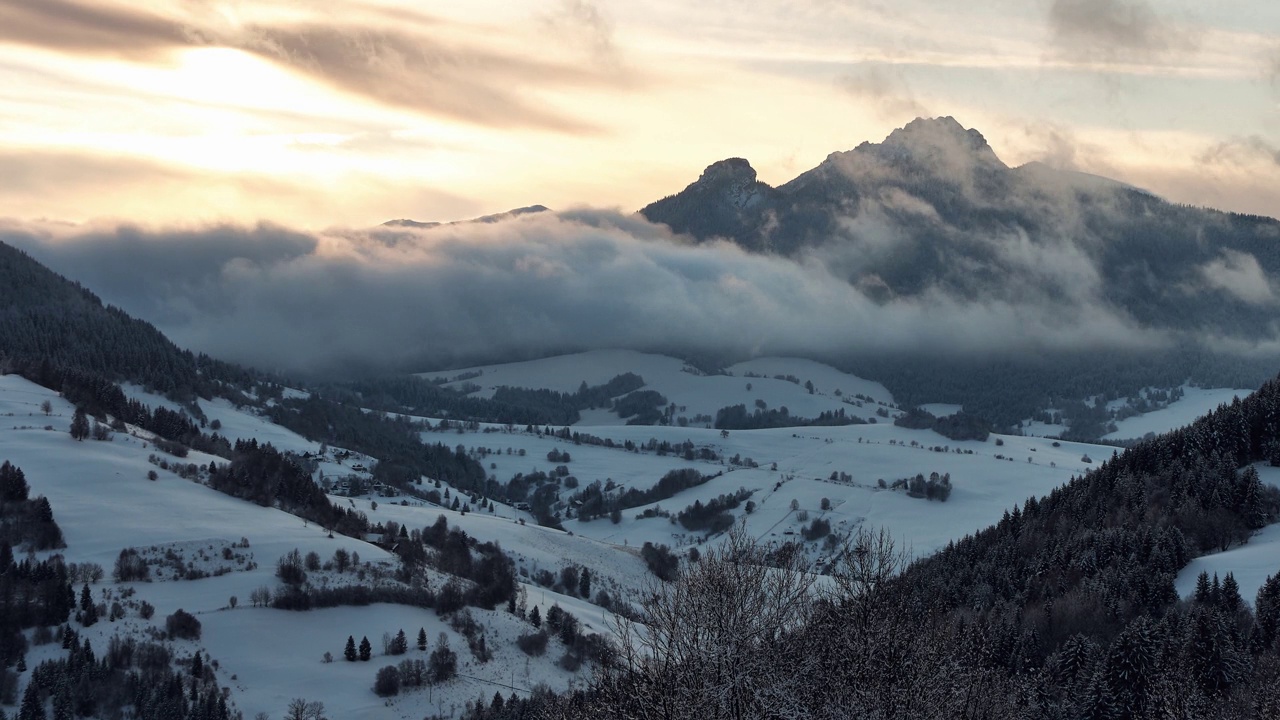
(89, 611)
(349, 652)
(1202, 587)
(422, 639)
(80, 425)
(1268, 611)
(13, 483)
(32, 705)
(1229, 597)
(366, 650)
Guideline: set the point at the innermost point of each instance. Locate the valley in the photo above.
(843, 477)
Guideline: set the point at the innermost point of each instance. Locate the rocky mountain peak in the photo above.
(732, 170)
(940, 143)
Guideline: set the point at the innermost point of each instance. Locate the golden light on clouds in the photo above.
(356, 112)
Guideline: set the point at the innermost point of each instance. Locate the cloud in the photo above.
(582, 21)
(538, 284)
(419, 72)
(70, 26)
(1242, 151)
(73, 185)
(885, 88)
(29, 173)
(419, 64)
(1092, 31)
(1240, 274)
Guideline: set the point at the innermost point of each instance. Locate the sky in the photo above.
(347, 113)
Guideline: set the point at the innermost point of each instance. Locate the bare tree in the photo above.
(300, 709)
(705, 637)
(864, 564)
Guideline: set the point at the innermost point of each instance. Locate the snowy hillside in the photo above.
(789, 481)
(1194, 403)
(1251, 564)
(104, 502)
(777, 382)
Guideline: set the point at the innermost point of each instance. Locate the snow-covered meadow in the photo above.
(103, 500)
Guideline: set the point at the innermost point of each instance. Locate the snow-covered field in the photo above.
(1195, 403)
(688, 388)
(1251, 563)
(941, 409)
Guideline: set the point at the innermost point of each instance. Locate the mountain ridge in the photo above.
(932, 209)
(491, 218)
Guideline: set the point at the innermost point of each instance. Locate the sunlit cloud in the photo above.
(421, 67)
(335, 114)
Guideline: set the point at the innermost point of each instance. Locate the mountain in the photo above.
(933, 210)
(495, 217)
(1155, 292)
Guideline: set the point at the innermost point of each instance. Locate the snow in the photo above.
(1040, 429)
(102, 499)
(1251, 563)
(1195, 403)
(244, 424)
(941, 409)
(826, 379)
(694, 393)
(984, 485)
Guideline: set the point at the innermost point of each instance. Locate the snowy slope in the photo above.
(695, 393)
(103, 501)
(1195, 403)
(985, 485)
(941, 409)
(1251, 563)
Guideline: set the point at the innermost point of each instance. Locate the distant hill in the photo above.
(53, 330)
(405, 223)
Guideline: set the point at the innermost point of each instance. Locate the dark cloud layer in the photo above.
(884, 88)
(415, 65)
(30, 172)
(1111, 31)
(418, 72)
(83, 28)
(585, 279)
(1241, 151)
